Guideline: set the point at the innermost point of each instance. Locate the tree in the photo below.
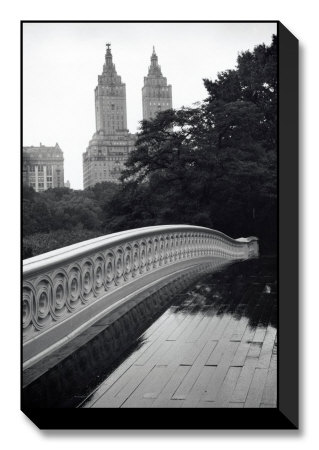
(213, 164)
(243, 107)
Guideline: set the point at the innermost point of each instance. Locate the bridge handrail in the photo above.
(59, 284)
(49, 259)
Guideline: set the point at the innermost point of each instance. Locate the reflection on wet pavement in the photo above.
(215, 346)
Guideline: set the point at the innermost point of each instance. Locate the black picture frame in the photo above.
(285, 416)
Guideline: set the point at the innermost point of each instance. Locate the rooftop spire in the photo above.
(154, 56)
(154, 68)
(108, 58)
(108, 55)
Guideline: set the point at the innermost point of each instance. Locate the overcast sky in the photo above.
(61, 62)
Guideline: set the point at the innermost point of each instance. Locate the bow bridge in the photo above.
(83, 305)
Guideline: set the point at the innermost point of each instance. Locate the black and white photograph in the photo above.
(149, 207)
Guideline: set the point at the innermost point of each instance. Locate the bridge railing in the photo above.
(58, 286)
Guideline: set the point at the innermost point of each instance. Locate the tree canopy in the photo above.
(62, 216)
(214, 164)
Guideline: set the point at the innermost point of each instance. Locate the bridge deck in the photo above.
(214, 347)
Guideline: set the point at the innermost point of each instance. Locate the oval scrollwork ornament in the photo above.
(119, 266)
(143, 256)
(43, 297)
(74, 287)
(161, 250)
(60, 293)
(156, 253)
(99, 275)
(150, 254)
(28, 303)
(127, 260)
(87, 281)
(109, 269)
(135, 259)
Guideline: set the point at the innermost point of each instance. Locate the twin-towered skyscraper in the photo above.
(111, 143)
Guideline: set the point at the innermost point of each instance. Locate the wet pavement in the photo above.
(215, 346)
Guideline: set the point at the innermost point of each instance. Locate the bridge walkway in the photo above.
(215, 346)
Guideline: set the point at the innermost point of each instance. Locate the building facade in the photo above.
(156, 93)
(43, 167)
(111, 143)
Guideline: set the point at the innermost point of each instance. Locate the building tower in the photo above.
(156, 94)
(110, 99)
(111, 143)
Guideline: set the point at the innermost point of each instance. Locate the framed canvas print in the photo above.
(159, 207)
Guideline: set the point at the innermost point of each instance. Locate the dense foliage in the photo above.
(213, 165)
(61, 216)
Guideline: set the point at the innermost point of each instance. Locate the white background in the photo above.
(301, 19)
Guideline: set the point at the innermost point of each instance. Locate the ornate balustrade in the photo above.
(68, 289)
